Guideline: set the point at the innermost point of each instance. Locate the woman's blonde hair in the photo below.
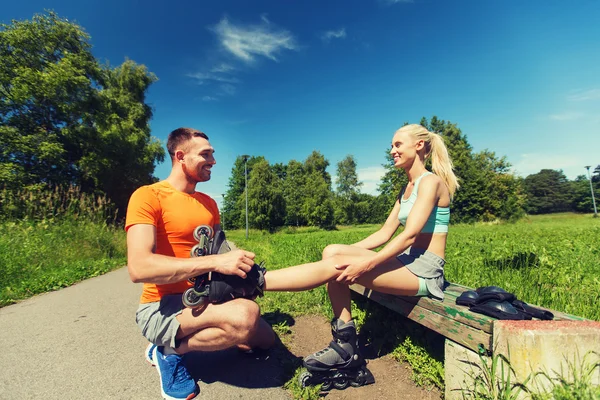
(440, 159)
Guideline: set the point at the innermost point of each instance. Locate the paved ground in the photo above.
(82, 342)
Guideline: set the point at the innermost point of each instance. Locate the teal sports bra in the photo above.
(438, 219)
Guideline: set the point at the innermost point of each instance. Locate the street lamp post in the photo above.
(245, 156)
(592, 190)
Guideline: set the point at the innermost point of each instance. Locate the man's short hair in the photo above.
(182, 135)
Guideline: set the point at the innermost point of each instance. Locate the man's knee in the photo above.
(245, 318)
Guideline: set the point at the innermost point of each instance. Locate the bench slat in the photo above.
(454, 327)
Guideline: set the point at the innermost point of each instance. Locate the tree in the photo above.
(317, 208)
(347, 189)
(234, 204)
(66, 120)
(581, 196)
(548, 191)
(294, 193)
(266, 205)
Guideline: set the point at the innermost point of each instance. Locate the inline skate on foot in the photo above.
(340, 364)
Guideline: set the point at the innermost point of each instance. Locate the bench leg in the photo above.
(460, 364)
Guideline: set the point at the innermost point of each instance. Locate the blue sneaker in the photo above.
(149, 354)
(176, 382)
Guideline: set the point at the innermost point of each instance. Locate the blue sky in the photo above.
(283, 78)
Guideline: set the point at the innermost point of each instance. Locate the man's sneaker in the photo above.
(175, 380)
(149, 354)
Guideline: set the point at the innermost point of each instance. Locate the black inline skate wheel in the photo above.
(197, 251)
(304, 379)
(326, 385)
(341, 384)
(203, 230)
(191, 299)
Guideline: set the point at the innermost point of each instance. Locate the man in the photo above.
(160, 222)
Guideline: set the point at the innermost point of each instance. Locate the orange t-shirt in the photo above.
(175, 214)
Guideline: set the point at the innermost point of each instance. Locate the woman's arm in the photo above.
(384, 233)
(427, 199)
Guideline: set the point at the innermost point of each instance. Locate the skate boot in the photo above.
(338, 365)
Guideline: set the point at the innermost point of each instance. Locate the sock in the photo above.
(168, 350)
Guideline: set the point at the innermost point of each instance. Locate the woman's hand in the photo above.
(354, 270)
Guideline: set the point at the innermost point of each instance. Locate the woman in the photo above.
(412, 264)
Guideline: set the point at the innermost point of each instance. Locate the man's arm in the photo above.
(146, 266)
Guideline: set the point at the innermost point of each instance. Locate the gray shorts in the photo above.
(428, 266)
(158, 320)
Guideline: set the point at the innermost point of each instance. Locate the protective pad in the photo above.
(533, 311)
(493, 293)
(499, 310)
(467, 298)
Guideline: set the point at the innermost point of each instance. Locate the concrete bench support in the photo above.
(550, 347)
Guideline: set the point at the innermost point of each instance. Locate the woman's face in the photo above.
(404, 149)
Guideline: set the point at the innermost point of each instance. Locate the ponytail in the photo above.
(436, 149)
(441, 163)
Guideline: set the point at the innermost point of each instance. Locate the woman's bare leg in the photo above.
(390, 277)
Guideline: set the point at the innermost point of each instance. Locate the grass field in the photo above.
(552, 261)
(41, 257)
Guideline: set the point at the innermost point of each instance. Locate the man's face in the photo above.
(197, 159)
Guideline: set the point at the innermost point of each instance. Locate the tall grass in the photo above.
(551, 261)
(50, 239)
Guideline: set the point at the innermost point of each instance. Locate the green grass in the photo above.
(552, 261)
(48, 255)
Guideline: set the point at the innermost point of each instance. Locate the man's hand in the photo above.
(236, 262)
(354, 270)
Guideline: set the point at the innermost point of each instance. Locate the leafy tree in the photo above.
(581, 195)
(316, 162)
(347, 189)
(548, 191)
(266, 205)
(294, 192)
(67, 120)
(234, 204)
(318, 207)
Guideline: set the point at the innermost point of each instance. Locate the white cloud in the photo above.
(227, 89)
(371, 178)
(391, 2)
(209, 98)
(339, 34)
(202, 77)
(247, 42)
(583, 95)
(566, 116)
(222, 68)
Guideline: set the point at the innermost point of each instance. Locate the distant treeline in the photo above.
(302, 193)
(73, 129)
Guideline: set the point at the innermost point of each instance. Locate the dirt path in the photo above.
(392, 379)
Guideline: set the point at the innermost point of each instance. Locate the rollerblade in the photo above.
(215, 287)
(340, 364)
(196, 296)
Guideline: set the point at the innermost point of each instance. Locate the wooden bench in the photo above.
(473, 332)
